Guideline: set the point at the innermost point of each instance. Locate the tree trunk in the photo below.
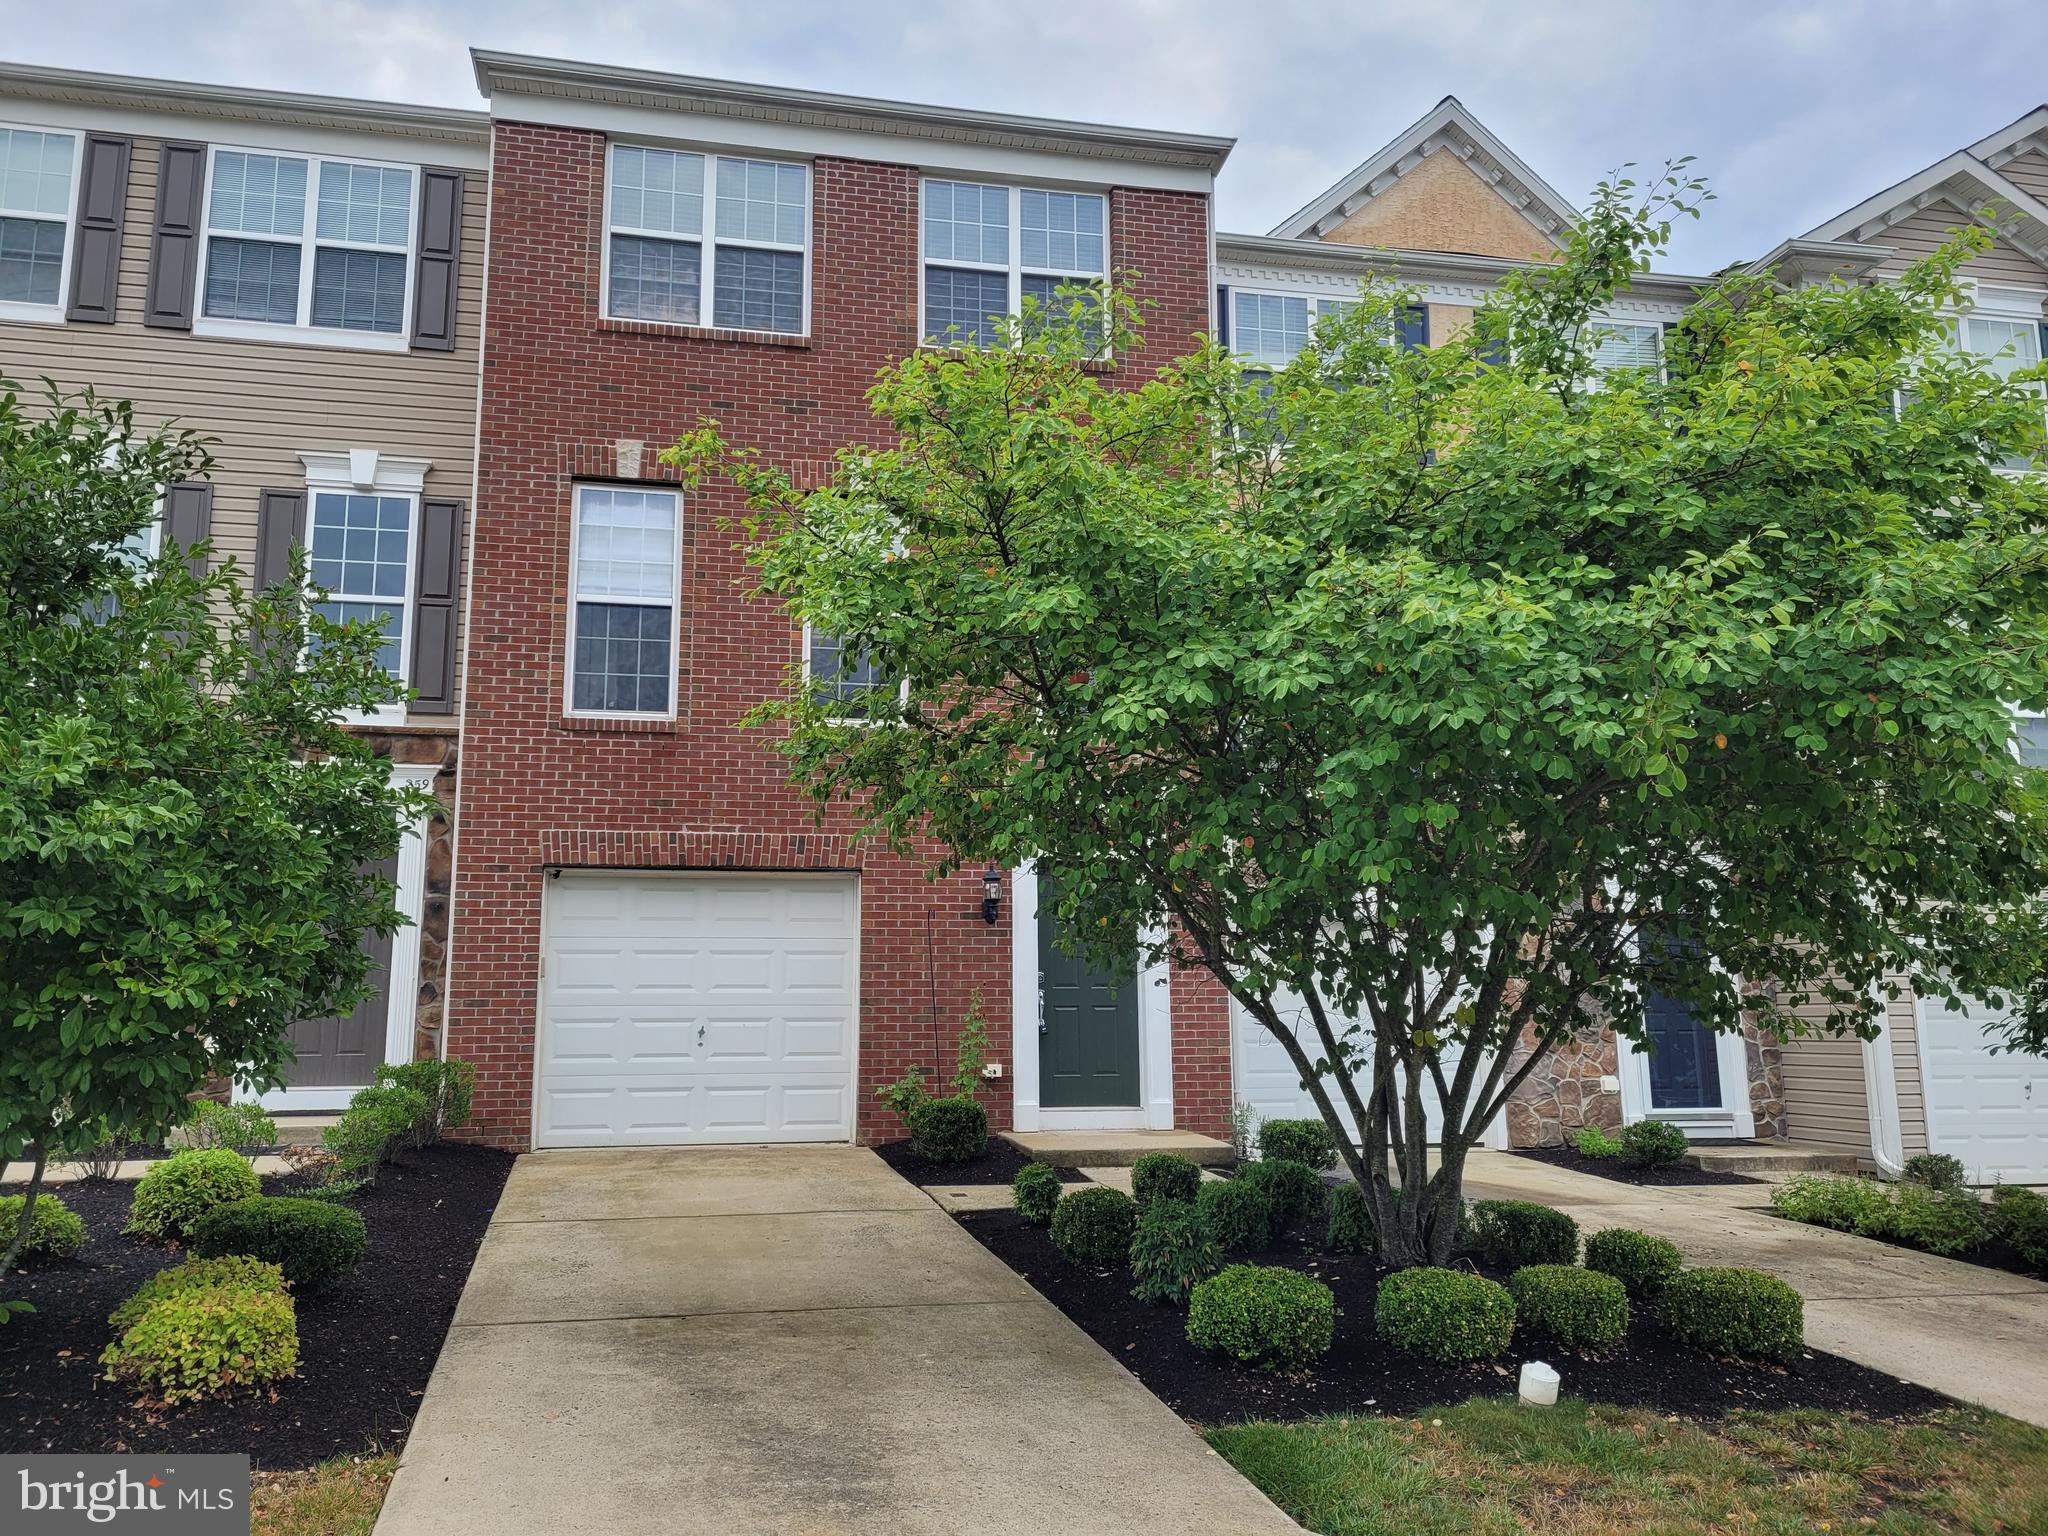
(28, 1211)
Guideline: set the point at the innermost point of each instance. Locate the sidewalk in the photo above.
(1977, 1334)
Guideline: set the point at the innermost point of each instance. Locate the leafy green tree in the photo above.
(184, 828)
(1441, 701)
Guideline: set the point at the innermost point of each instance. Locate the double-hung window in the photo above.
(976, 273)
(2003, 328)
(38, 170)
(301, 242)
(623, 582)
(678, 251)
(846, 681)
(1268, 330)
(1625, 346)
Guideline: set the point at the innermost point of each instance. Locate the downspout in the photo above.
(1881, 1094)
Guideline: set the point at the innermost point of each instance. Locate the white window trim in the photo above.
(1015, 267)
(675, 606)
(902, 689)
(1315, 302)
(366, 472)
(51, 314)
(302, 330)
(1630, 322)
(706, 239)
(1973, 307)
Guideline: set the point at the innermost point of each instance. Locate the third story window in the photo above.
(734, 258)
(976, 273)
(622, 633)
(35, 214)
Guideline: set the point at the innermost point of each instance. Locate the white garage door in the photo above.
(1990, 1111)
(1265, 1078)
(682, 1009)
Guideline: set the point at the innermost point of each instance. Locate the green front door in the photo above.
(1087, 1027)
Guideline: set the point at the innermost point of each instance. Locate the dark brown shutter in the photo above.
(440, 261)
(436, 590)
(96, 256)
(188, 518)
(280, 523)
(174, 241)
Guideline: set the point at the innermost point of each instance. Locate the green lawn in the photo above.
(1490, 1468)
(339, 1498)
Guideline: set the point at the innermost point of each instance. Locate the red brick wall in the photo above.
(560, 387)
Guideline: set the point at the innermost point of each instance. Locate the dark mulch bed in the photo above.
(998, 1164)
(366, 1347)
(1997, 1254)
(1628, 1173)
(1361, 1375)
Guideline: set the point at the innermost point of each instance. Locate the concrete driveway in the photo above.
(785, 1340)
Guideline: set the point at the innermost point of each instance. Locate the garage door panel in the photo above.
(698, 1008)
(1990, 1109)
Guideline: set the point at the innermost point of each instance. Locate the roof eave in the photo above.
(1330, 256)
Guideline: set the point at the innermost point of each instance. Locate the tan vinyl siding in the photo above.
(2028, 172)
(266, 402)
(1901, 1020)
(1825, 1101)
(1915, 237)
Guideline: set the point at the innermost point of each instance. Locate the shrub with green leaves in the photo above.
(1450, 1315)
(1653, 1144)
(1294, 1191)
(57, 1232)
(1512, 1234)
(1263, 1315)
(315, 1242)
(1735, 1312)
(1592, 1141)
(1298, 1141)
(949, 1130)
(378, 1119)
(1937, 1170)
(1642, 1263)
(446, 1085)
(244, 1127)
(2019, 1217)
(1164, 1176)
(185, 1186)
(1846, 1204)
(1239, 1213)
(1171, 1251)
(1946, 1222)
(1093, 1226)
(207, 1343)
(1569, 1304)
(1350, 1228)
(1035, 1191)
(229, 1272)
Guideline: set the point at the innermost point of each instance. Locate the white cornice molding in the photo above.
(1319, 266)
(1448, 127)
(1960, 179)
(1802, 263)
(365, 469)
(2028, 131)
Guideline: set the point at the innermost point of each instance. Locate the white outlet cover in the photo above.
(1609, 1083)
(992, 1069)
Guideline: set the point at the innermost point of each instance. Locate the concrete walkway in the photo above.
(1975, 1333)
(778, 1340)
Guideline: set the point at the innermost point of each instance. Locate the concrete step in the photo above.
(1114, 1149)
(302, 1130)
(1760, 1157)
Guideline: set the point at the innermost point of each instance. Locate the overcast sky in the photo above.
(1795, 108)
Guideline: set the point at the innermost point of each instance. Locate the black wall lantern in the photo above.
(991, 894)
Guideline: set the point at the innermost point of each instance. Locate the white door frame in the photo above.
(402, 979)
(1154, 1109)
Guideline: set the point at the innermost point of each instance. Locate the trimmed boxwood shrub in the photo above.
(1653, 1144)
(1294, 1191)
(2020, 1217)
(1164, 1176)
(949, 1130)
(185, 1186)
(1512, 1234)
(1350, 1228)
(1937, 1170)
(1238, 1213)
(1643, 1264)
(1034, 1192)
(1447, 1314)
(1171, 1251)
(231, 1272)
(1571, 1305)
(1093, 1226)
(315, 1242)
(57, 1232)
(208, 1342)
(1735, 1312)
(1265, 1316)
(1298, 1141)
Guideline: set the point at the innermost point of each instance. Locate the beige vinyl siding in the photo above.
(1825, 1101)
(2028, 172)
(1914, 237)
(265, 402)
(1904, 1026)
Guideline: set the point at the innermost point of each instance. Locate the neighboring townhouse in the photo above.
(300, 279)
(1930, 1081)
(655, 942)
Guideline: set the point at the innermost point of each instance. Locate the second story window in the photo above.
(975, 272)
(315, 244)
(36, 174)
(735, 258)
(1621, 347)
(623, 588)
(362, 555)
(1268, 330)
